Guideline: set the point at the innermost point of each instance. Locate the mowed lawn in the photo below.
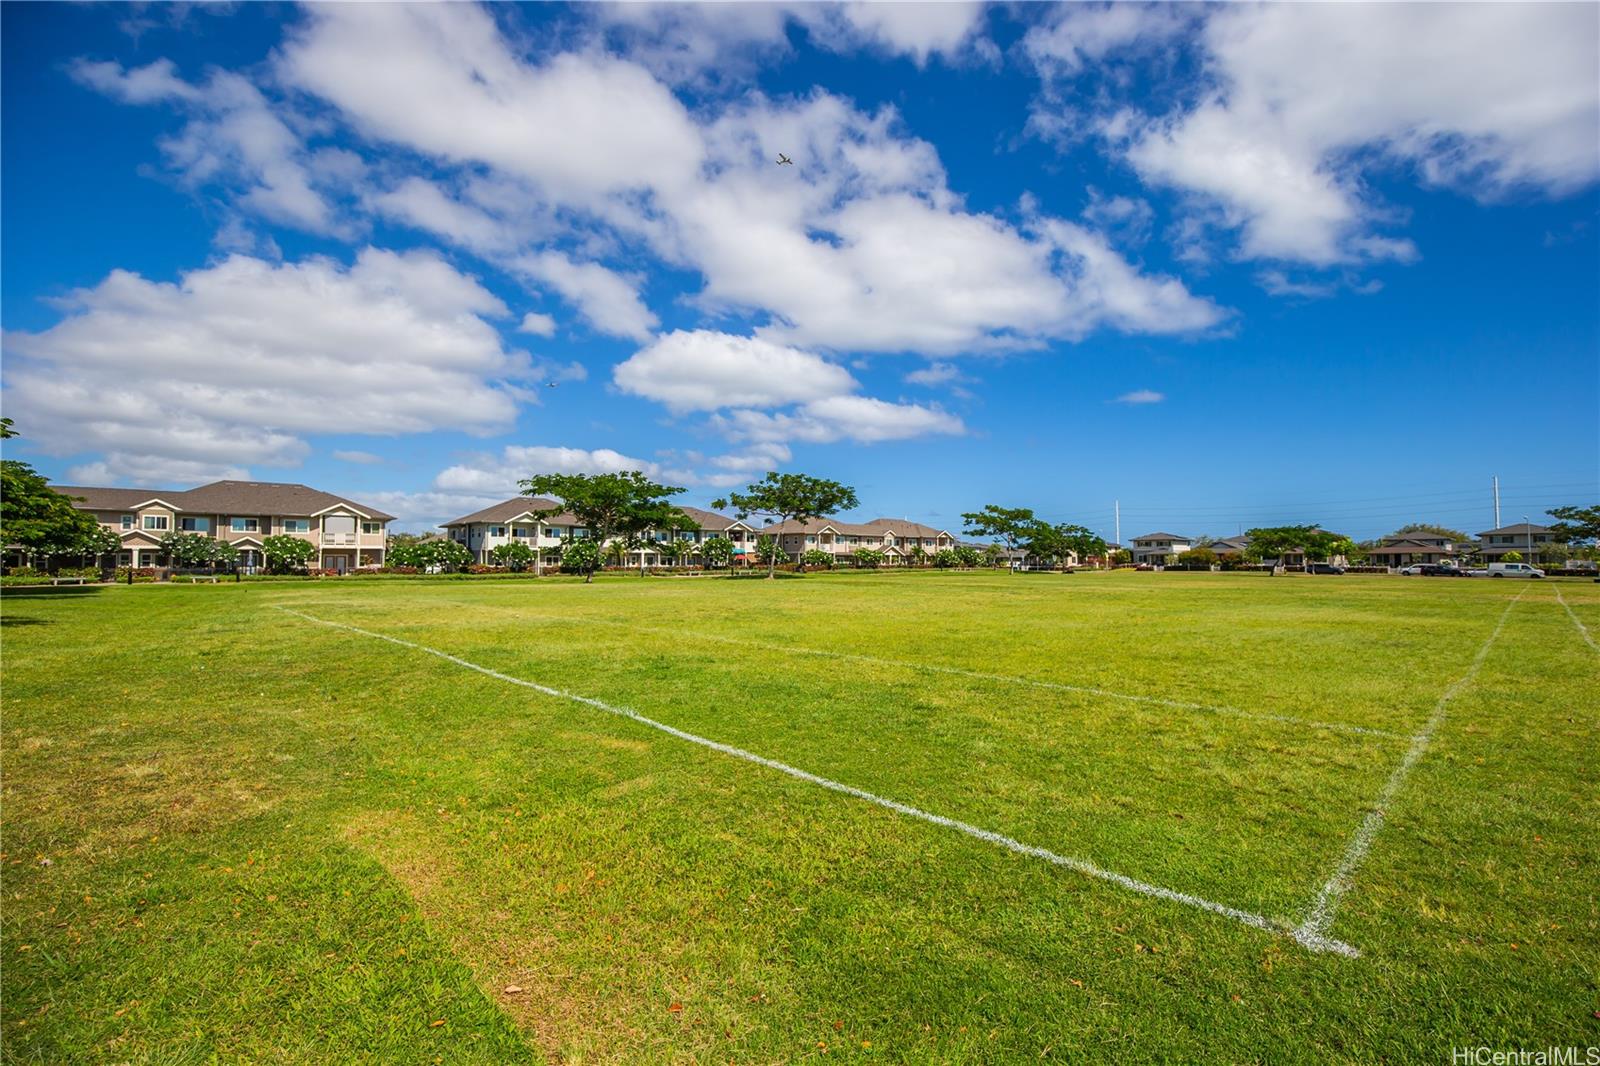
(231, 833)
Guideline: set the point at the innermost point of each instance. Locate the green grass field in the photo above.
(232, 833)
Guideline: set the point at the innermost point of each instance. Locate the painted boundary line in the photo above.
(1582, 629)
(1008, 679)
(1325, 907)
(1312, 941)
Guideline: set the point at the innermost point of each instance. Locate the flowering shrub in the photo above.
(140, 573)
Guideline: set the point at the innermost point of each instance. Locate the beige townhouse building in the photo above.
(520, 519)
(346, 534)
(899, 539)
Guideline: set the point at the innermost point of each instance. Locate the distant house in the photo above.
(1159, 549)
(1230, 545)
(1405, 552)
(1524, 538)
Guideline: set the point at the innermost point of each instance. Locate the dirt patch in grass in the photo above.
(478, 921)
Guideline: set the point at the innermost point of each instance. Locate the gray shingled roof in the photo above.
(1162, 536)
(875, 528)
(1520, 527)
(506, 510)
(223, 497)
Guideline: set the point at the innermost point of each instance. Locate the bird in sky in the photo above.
(551, 384)
(784, 161)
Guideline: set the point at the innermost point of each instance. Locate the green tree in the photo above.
(447, 554)
(816, 557)
(285, 553)
(513, 555)
(868, 558)
(1511, 557)
(1121, 557)
(1082, 541)
(1322, 545)
(675, 550)
(967, 555)
(580, 555)
(37, 517)
(98, 541)
(1579, 526)
(992, 554)
(1044, 542)
(789, 497)
(717, 552)
(1273, 542)
(1198, 557)
(1012, 525)
(768, 551)
(916, 555)
(946, 559)
(1455, 536)
(608, 505)
(188, 549)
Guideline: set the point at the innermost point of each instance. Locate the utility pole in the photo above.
(1497, 501)
(1116, 505)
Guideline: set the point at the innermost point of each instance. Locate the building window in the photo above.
(124, 558)
(291, 525)
(245, 525)
(155, 521)
(127, 521)
(497, 531)
(372, 527)
(194, 525)
(519, 531)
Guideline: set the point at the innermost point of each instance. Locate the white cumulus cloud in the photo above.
(235, 364)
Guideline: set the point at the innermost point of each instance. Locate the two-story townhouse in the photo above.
(345, 534)
(899, 539)
(525, 520)
(1159, 549)
(1524, 538)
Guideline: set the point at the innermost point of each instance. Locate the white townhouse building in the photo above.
(519, 520)
(346, 534)
(1159, 549)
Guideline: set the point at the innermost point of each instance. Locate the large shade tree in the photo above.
(1578, 527)
(1011, 525)
(789, 497)
(38, 518)
(1274, 542)
(609, 505)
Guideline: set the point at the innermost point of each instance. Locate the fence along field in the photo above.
(1258, 807)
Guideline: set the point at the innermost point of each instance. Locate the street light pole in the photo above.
(1530, 539)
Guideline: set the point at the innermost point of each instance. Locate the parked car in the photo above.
(1433, 570)
(1514, 570)
(1324, 568)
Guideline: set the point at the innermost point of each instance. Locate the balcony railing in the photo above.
(339, 538)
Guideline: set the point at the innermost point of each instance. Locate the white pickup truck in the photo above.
(1514, 570)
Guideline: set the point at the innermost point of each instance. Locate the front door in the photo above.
(336, 562)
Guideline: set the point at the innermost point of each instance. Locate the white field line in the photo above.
(1008, 679)
(1582, 629)
(1315, 943)
(1326, 905)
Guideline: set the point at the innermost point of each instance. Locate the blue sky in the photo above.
(1230, 266)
